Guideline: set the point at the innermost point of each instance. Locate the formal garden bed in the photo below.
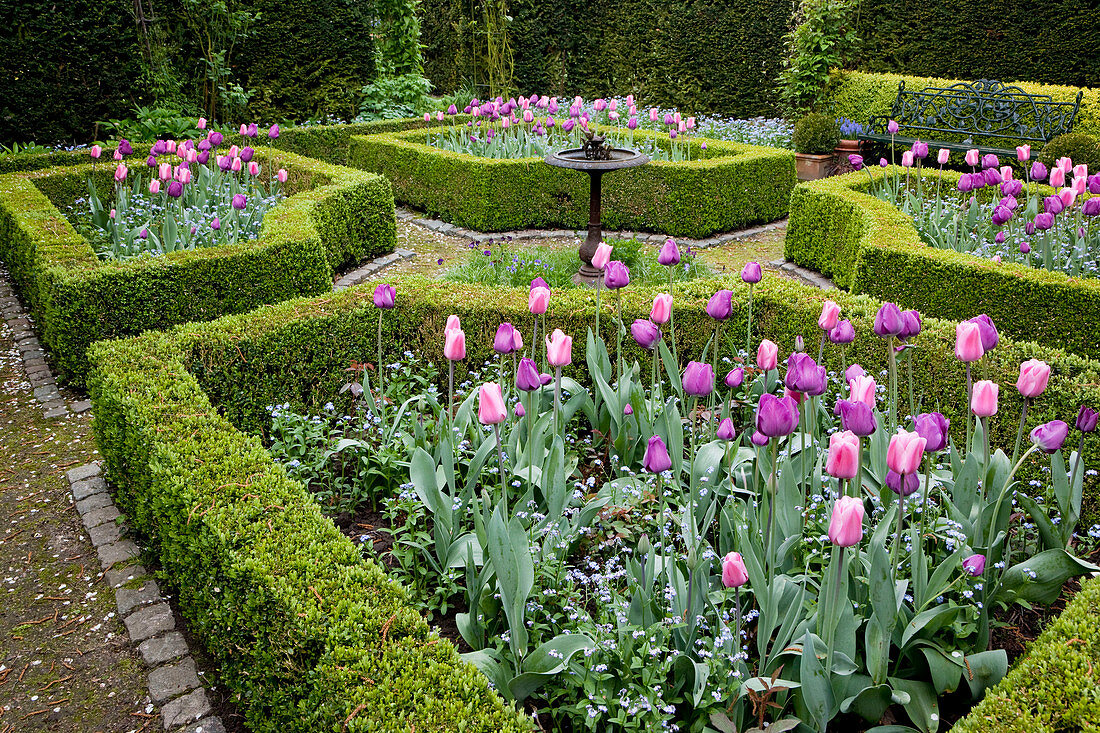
(326, 218)
(868, 245)
(305, 627)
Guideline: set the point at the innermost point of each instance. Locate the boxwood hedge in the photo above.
(869, 246)
(312, 636)
(726, 186)
(334, 217)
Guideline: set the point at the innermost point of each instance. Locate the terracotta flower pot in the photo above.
(843, 149)
(812, 167)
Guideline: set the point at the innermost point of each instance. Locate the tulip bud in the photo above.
(1086, 419)
(720, 305)
(767, 355)
(751, 273)
(842, 333)
(943, 156)
(1023, 153)
(559, 348)
(843, 455)
(933, 427)
(905, 452)
(616, 275)
(1050, 436)
(645, 333)
(735, 378)
(725, 430)
(776, 416)
(698, 378)
(974, 565)
(662, 308)
(281, 175)
(846, 523)
(602, 255)
(1034, 375)
(669, 254)
(454, 344)
(971, 157)
(734, 574)
(538, 300)
(490, 407)
(830, 314)
(968, 342)
(892, 127)
(902, 485)
(983, 401)
(656, 458)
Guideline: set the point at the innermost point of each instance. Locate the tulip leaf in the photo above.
(923, 708)
(547, 660)
(931, 621)
(510, 552)
(1043, 524)
(946, 671)
(686, 669)
(984, 670)
(1039, 579)
(817, 698)
(869, 703)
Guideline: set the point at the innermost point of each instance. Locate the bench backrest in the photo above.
(984, 107)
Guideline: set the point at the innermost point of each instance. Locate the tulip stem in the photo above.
(859, 471)
(901, 512)
(451, 394)
(619, 340)
(912, 401)
(672, 320)
(893, 384)
(1076, 464)
(748, 333)
(969, 398)
(821, 347)
(557, 399)
(531, 441)
(381, 377)
(985, 462)
(772, 481)
(830, 618)
(500, 457)
(599, 278)
(1020, 432)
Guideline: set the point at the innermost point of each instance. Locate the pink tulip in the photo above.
(1080, 170)
(1006, 173)
(452, 324)
(96, 151)
(1068, 196)
(972, 157)
(538, 300)
(235, 166)
(943, 156)
(662, 308)
(120, 172)
(192, 156)
(653, 114)
(112, 214)
(843, 455)
(846, 524)
(855, 370)
(183, 175)
(1079, 185)
(154, 186)
(907, 159)
(1057, 177)
(201, 123)
(559, 348)
(734, 574)
(602, 255)
(117, 155)
(996, 259)
(905, 452)
(983, 401)
(234, 151)
(767, 355)
(253, 168)
(490, 405)
(169, 146)
(281, 175)
(1034, 375)
(1023, 153)
(244, 129)
(454, 346)
(968, 342)
(830, 313)
(863, 389)
(1065, 163)
(427, 116)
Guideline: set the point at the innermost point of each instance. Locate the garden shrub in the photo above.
(310, 634)
(1081, 148)
(330, 142)
(727, 186)
(816, 134)
(869, 246)
(860, 96)
(337, 216)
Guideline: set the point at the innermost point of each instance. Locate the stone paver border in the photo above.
(174, 684)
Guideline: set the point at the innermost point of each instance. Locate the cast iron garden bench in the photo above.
(985, 109)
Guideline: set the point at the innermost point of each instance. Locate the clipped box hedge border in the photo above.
(309, 633)
(724, 187)
(868, 246)
(859, 95)
(338, 216)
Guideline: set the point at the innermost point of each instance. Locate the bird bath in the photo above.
(595, 160)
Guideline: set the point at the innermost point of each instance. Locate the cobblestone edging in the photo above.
(372, 268)
(34, 356)
(437, 225)
(174, 684)
(807, 276)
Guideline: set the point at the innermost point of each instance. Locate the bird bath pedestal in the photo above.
(578, 159)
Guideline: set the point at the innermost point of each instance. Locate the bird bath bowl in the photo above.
(577, 159)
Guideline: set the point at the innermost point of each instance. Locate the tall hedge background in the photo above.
(66, 65)
(700, 55)
(1048, 41)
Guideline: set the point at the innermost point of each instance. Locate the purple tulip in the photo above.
(735, 378)
(1053, 205)
(1038, 171)
(1044, 221)
(1025, 248)
(843, 332)
(546, 378)
(656, 458)
(124, 147)
(252, 130)
(933, 427)
(670, 253)
(759, 439)
(989, 160)
(645, 333)
(1050, 436)
(856, 161)
(888, 320)
(527, 376)
(964, 184)
(452, 110)
(215, 138)
(902, 485)
(974, 565)
(1001, 215)
(720, 305)
(1086, 419)
(912, 325)
(203, 157)
(882, 163)
(504, 342)
(1010, 202)
(1091, 207)
(1093, 182)
(632, 123)
(204, 145)
(216, 224)
(991, 176)
(776, 416)
(804, 375)
(999, 238)
(751, 273)
(920, 150)
(616, 275)
(239, 201)
(1012, 187)
(892, 127)
(144, 234)
(725, 430)
(151, 161)
(385, 296)
(988, 331)
(273, 132)
(698, 379)
(175, 189)
(246, 154)
(159, 148)
(857, 417)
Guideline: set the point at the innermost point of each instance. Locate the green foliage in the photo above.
(868, 246)
(824, 38)
(859, 96)
(247, 548)
(983, 39)
(816, 134)
(51, 101)
(335, 217)
(150, 124)
(217, 27)
(330, 143)
(395, 97)
(723, 188)
(399, 46)
(702, 56)
(1078, 146)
